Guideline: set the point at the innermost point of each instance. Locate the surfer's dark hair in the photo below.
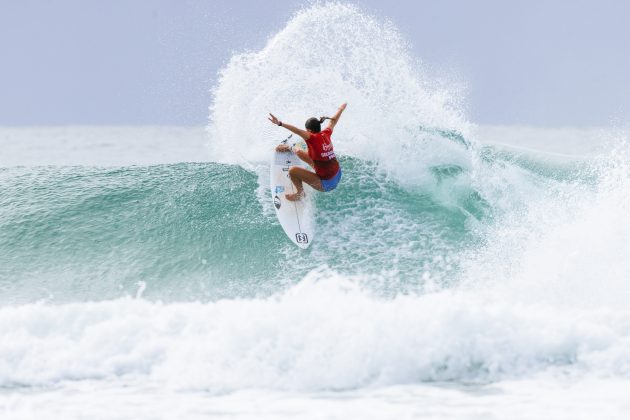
(315, 124)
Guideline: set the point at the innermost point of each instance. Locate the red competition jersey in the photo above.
(320, 149)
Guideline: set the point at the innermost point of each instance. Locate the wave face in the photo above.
(75, 233)
(438, 258)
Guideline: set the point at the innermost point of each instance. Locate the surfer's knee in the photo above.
(294, 170)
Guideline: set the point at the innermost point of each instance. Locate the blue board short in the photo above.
(331, 184)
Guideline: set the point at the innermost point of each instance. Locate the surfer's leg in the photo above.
(305, 157)
(298, 176)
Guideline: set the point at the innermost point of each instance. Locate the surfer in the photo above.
(320, 156)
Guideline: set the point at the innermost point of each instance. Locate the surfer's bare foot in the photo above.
(295, 196)
(283, 148)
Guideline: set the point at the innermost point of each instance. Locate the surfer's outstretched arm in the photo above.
(335, 118)
(302, 133)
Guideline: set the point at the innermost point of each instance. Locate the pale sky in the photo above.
(535, 62)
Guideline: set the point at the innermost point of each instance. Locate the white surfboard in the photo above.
(295, 217)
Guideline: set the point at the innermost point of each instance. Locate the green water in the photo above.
(201, 231)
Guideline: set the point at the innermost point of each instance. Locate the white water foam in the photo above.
(325, 333)
(567, 243)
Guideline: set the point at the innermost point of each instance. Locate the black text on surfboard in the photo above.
(301, 238)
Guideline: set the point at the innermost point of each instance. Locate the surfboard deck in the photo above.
(295, 217)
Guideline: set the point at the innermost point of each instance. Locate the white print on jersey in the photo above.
(330, 155)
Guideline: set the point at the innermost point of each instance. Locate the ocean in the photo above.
(458, 271)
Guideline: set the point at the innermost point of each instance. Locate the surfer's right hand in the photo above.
(283, 148)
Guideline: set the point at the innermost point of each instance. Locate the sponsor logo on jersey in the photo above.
(330, 155)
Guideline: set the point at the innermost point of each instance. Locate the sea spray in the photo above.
(329, 54)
